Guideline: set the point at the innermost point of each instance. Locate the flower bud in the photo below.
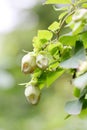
(42, 61)
(28, 64)
(32, 94)
(80, 15)
(82, 68)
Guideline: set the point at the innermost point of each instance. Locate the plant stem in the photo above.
(63, 21)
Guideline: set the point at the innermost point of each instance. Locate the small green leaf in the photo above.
(54, 26)
(41, 40)
(52, 76)
(83, 37)
(84, 104)
(54, 48)
(45, 34)
(68, 39)
(57, 2)
(47, 78)
(62, 15)
(67, 116)
(54, 65)
(76, 92)
(69, 20)
(36, 44)
(83, 114)
(73, 107)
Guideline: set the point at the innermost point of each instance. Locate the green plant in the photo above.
(56, 51)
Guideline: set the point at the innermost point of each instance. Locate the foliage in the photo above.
(57, 52)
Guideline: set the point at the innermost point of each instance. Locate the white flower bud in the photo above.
(82, 68)
(28, 64)
(42, 61)
(79, 15)
(32, 94)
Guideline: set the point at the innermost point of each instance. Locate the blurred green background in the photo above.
(20, 21)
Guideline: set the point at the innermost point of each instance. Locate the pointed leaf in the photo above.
(83, 37)
(47, 78)
(54, 26)
(76, 92)
(62, 15)
(68, 39)
(45, 34)
(52, 76)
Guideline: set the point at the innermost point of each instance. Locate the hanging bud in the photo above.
(80, 14)
(42, 61)
(28, 64)
(32, 94)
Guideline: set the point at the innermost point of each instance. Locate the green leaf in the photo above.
(54, 48)
(79, 55)
(67, 116)
(41, 40)
(54, 26)
(81, 81)
(54, 65)
(83, 114)
(57, 1)
(83, 37)
(65, 53)
(69, 21)
(52, 76)
(47, 78)
(36, 44)
(45, 34)
(68, 39)
(62, 15)
(76, 92)
(73, 107)
(84, 104)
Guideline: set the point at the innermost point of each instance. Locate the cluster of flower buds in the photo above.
(30, 62)
(28, 65)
